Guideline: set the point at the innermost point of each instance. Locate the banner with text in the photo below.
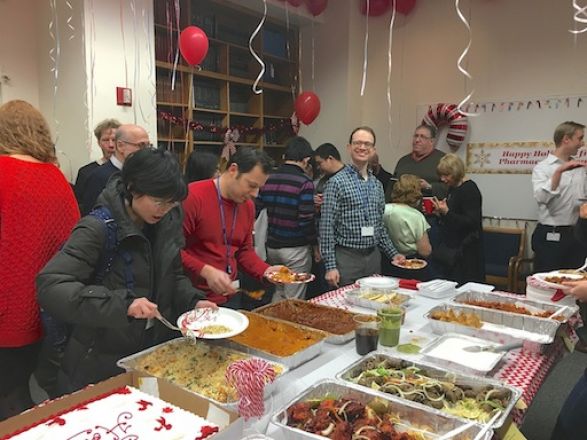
(509, 157)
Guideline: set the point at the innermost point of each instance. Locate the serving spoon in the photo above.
(493, 348)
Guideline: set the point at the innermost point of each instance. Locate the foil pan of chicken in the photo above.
(335, 410)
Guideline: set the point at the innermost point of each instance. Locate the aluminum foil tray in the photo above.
(275, 309)
(499, 327)
(433, 371)
(129, 363)
(290, 361)
(568, 311)
(354, 297)
(413, 418)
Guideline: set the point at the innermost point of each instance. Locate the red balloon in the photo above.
(404, 6)
(307, 107)
(316, 7)
(376, 7)
(193, 44)
(295, 2)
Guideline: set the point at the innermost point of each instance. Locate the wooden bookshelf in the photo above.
(222, 95)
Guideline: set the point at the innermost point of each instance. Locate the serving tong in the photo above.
(493, 348)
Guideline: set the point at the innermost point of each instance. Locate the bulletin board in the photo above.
(526, 120)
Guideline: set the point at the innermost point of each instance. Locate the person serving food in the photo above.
(218, 228)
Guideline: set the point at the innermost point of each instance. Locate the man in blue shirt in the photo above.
(351, 226)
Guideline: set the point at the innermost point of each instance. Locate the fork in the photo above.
(191, 334)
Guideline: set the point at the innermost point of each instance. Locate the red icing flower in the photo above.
(57, 421)
(207, 431)
(143, 404)
(167, 410)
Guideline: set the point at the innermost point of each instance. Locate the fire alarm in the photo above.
(123, 96)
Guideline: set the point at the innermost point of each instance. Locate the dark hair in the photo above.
(154, 173)
(248, 158)
(430, 128)
(201, 165)
(297, 149)
(364, 128)
(326, 150)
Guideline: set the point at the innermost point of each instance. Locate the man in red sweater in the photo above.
(218, 227)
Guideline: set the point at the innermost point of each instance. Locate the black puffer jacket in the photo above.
(102, 331)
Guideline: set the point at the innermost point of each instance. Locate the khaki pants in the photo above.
(298, 259)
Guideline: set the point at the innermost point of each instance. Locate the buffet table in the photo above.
(522, 369)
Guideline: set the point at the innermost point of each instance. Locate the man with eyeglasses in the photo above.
(422, 162)
(351, 226)
(129, 139)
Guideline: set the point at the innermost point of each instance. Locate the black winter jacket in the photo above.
(102, 331)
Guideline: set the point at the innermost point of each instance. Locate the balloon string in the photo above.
(190, 98)
(389, 59)
(176, 60)
(256, 88)
(580, 16)
(146, 26)
(300, 79)
(365, 50)
(292, 81)
(92, 92)
(313, 58)
(137, 67)
(460, 60)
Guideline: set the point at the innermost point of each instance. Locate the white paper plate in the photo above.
(422, 264)
(378, 282)
(542, 277)
(200, 318)
(476, 287)
(308, 277)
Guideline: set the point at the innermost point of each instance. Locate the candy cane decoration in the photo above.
(249, 378)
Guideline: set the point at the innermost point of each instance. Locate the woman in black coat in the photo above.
(460, 252)
(115, 316)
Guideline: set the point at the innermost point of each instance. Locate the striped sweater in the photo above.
(288, 196)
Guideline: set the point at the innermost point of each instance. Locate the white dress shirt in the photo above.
(116, 162)
(559, 207)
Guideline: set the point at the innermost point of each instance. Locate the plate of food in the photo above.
(412, 264)
(286, 276)
(207, 323)
(556, 278)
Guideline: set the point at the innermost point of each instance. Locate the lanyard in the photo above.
(227, 240)
(364, 195)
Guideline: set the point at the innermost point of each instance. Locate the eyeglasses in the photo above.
(140, 145)
(421, 136)
(366, 144)
(163, 204)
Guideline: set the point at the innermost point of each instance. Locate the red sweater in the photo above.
(205, 242)
(37, 213)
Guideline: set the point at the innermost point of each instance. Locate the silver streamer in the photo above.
(460, 60)
(255, 87)
(365, 51)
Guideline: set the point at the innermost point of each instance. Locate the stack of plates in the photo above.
(437, 289)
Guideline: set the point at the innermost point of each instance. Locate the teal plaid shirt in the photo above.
(350, 203)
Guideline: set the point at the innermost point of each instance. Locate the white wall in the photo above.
(521, 49)
(18, 51)
(92, 61)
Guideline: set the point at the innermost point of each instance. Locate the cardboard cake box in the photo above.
(231, 426)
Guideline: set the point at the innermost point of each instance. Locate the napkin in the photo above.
(409, 284)
(557, 296)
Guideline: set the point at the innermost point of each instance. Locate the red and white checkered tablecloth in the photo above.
(521, 369)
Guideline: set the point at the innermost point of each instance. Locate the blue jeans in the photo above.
(572, 423)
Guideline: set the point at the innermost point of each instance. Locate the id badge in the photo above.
(553, 236)
(236, 284)
(367, 231)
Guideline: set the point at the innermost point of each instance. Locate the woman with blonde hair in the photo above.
(460, 253)
(406, 225)
(37, 213)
